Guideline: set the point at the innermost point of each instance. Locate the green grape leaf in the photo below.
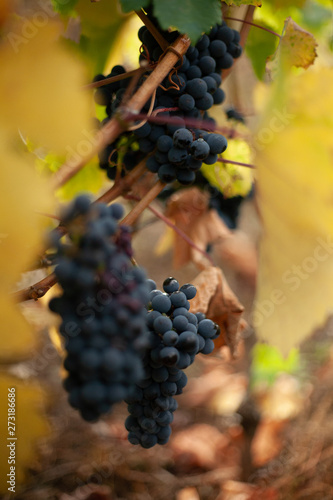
(89, 179)
(259, 46)
(192, 17)
(237, 3)
(64, 8)
(128, 5)
(268, 362)
(100, 25)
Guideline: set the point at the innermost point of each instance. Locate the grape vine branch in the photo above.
(118, 124)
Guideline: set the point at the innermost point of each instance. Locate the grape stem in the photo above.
(255, 25)
(153, 30)
(189, 122)
(176, 229)
(224, 160)
(124, 184)
(131, 218)
(35, 291)
(111, 79)
(111, 130)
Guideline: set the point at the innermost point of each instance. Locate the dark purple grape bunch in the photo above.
(180, 156)
(193, 88)
(102, 308)
(176, 337)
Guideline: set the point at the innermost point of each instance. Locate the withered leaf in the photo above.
(190, 211)
(216, 299)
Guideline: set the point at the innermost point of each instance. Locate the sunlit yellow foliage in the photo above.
(294, 195)
(231, 180)
(29, 425)
(40, 89)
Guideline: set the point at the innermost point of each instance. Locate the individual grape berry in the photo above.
(225, 34)
(161, 303)
(197, 88)
(170, 338)
(162, 324)
(217, 143)
(164, 143)
(203, 43)
(189, 290)
(205, 102)
(170, 285)
(217, 48)
(182, 138)
(185, 176)
(177, 156)
(152, 164)
(207, 65)
(200, 149)
(178, 299)
(167, 172)
(219, 96)
(186, 102)
(211, 84)
(193, 72)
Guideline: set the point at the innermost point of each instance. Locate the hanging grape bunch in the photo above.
(176, 337)
(101, 307)
(188, 92)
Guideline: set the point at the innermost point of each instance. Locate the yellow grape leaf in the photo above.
(232, 180)
(125, 48)
(294, 196)
(165, 242)
(40, 89)
(17, 338)
(24, 194)
(30, 424)
(297, 47)
(21, 235)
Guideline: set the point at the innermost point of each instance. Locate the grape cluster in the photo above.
(102, 308)
(176, 337)
(192, 88)
(180, 156)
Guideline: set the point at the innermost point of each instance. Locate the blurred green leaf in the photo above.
(237, 3)
(128, 5)
(100, 24)
(259, 46)
(64, 8)
(268, 363)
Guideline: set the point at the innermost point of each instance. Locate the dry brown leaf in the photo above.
(219, 389)
(239, 253)
(188, 494)
(90, 491)
(200, 445)
(216, 299)
(267, 442)
(189, 211)
(235, 490)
